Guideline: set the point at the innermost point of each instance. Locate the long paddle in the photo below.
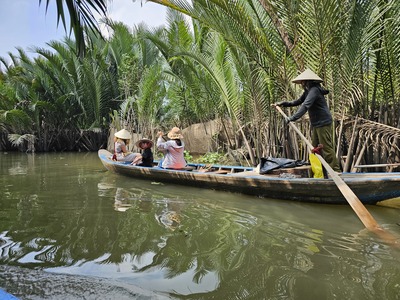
(355, 203)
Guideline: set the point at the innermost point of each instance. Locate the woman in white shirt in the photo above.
(121, 141)
(173, 149)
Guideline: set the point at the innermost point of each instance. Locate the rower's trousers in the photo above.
(324, 135)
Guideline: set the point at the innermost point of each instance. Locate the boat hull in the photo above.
(369, 189)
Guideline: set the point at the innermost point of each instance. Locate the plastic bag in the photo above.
(316, 166)
(268, 164)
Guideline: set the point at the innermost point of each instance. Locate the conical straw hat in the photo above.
(123, 134)
(307, 75)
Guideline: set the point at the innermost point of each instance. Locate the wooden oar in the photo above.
(355, 203)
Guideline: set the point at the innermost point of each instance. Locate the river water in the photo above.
(69, 229)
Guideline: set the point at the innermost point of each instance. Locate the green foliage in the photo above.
(81, 16)
(212, 158)
(59, 94)
(25, 142)
(188, 156)
(232, 62)
(128, 75)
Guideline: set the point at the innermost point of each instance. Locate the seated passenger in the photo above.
(173, 149)
(121, 140)
(146, 158)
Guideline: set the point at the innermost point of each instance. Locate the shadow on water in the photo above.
(70, 229)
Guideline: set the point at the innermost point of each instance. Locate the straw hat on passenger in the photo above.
(307, 75)
(175, 134)
(139, 142)
(123, 134)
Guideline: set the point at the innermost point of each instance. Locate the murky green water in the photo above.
(69, 229)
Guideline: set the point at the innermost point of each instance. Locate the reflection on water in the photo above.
(64, 215)
(121, 200)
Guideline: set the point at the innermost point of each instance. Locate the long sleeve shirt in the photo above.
(174, 157)
(314, 102)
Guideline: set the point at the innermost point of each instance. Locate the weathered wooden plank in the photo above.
(376, 166)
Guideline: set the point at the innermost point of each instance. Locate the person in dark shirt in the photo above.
(313, 100)
(146, 158)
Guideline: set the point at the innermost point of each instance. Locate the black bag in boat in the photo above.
(271, 163)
